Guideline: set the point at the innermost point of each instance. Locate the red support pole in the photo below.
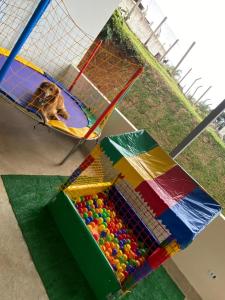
(114, 102)
(98, 45)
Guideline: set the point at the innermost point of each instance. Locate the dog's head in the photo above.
(48, 91)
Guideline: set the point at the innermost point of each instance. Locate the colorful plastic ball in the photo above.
(95, 215)
(125, 257)
(107, 254)
(115, 240)
(107, 245)
(100, 220)
(96, 236)
(103, 248)
(127, 247)
(105, 224)
(85, 215)
(101, 241)
(104, 215)
(138, 264)
(90, 213)
(108, 238)
(114, 252)
(112, 214)
(125, 273)
(103, 233)
(114, 267)
(121, 276)
(89, 227)
(108, 219)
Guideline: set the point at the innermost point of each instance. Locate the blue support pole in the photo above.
(24, 35)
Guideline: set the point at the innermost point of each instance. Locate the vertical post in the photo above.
(185, 75)
(192, 85)
(198, 130)
(108, 109)
(170, 48)
(205, 92)
(132, 9)
(43, 4)
(183, 57)
(114, 102)
(206, 100)
(200, 86)
(98, 45)
(154, 32)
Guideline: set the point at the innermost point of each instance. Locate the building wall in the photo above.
(141, 27)
(91, 15)
(204, 259)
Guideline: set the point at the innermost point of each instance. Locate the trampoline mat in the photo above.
(21, 81)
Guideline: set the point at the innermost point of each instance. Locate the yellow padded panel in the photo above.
(152, 164)
(145, 166)
(96, 152)
(74, 190)
(76, 132)
(172, 248)
(27, 63)
(127, 170)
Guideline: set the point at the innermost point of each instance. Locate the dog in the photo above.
(48, 100)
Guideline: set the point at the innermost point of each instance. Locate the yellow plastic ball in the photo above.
(125, 257)
(100, 220)
(101, 227)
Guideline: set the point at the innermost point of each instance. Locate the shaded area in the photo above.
(61, 277)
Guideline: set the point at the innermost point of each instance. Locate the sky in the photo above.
(201, 21)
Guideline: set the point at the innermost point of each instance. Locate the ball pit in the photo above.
(118, 242)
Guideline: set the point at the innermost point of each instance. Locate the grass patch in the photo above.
(156, 104)
(57, 269)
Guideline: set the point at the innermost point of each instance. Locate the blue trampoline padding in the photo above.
(190, 216)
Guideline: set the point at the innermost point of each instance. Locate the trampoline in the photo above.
(51, 38)
(21, 81)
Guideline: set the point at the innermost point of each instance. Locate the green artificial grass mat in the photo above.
(58, 271)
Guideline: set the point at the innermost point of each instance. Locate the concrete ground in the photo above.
(24, 150)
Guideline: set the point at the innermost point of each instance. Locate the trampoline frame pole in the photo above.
(108, 109)
(43, 4)
(95, 50)
(112, 105)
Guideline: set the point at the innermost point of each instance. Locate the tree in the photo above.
(204, 108)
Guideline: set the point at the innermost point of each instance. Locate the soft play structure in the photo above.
(50, 43)
(126, 209)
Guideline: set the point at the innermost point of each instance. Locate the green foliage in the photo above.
(204, 109)
(115, 30)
